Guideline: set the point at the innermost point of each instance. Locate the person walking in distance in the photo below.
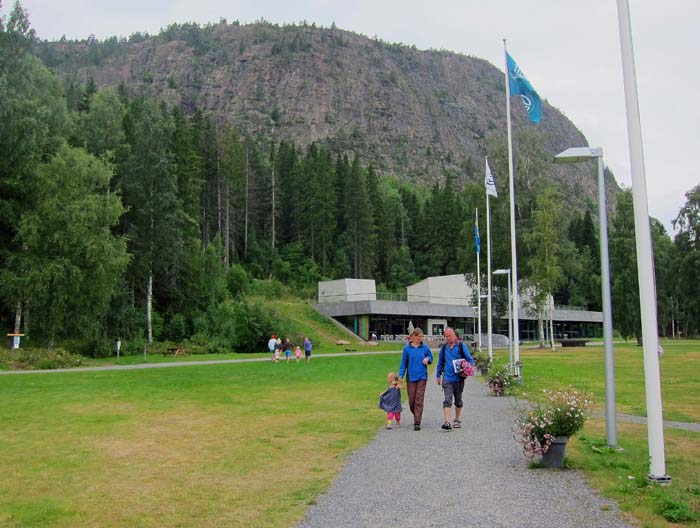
(452, 352)
(287, 349)
(272, 345)
(414, 365)
(307, 348)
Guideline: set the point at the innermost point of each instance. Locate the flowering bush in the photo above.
(563, 413)
(500, 379)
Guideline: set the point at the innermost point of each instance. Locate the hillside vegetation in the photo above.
(157, 188)
(412, 113)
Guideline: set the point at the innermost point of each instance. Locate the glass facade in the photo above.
(388, 327)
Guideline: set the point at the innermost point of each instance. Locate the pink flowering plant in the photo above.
(500, 380)
(465, 368)
(562, 413)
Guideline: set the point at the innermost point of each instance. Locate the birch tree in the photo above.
(544, 240)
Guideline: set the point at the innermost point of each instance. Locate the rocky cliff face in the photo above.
(412, 113)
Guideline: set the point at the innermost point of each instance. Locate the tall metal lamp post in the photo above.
(510, 316)
(578, 155)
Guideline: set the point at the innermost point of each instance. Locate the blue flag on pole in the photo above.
(478, 240)
(521, 86)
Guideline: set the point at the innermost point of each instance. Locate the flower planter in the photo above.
(497, 388)
(554, 457)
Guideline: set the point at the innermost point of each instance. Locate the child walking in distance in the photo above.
(390, 400)
(297, 353)
(287, 349)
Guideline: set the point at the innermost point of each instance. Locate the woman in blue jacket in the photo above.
(414, 364)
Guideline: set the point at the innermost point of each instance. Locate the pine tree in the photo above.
(359, 234)
(624, 284)
(187, 165)
(155, 220)
(319, 175)
(206, 147)
(233, 172)
(687, 244)
(101, 129)
(89, 90)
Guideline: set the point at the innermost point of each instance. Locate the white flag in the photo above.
(489, 181)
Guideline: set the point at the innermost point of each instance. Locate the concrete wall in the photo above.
(447, 289)
(418, 292)
(346, 290)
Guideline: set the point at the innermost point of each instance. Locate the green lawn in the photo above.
(155, 354)
(584, 367)
(253, 444)
(222, 445)
(622, 475)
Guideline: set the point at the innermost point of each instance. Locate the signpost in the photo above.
(15, 340)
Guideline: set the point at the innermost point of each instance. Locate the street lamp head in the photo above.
(578, 154)
(502, 272)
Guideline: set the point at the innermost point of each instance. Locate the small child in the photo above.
(297, 353)
(390, 400)
(276, 358)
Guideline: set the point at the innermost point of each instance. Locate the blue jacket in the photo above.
(412, 361)
(390, 400)
(447, 356)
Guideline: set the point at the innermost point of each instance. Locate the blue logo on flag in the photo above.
(519, 85)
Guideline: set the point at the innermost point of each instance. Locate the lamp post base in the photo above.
(663, 480)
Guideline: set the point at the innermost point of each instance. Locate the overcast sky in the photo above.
(568, 49)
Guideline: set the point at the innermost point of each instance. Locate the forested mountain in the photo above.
(155, 187)
(413, 114)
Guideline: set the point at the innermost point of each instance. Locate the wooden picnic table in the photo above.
(175, 351)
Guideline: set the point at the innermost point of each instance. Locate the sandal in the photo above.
(446, 426)
(457, 424)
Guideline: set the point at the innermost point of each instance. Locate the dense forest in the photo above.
(122, 215)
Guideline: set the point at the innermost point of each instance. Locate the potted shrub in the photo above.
(544, 428)
(500, 379)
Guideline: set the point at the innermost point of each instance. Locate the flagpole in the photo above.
(514, 258)
(488, 269)
(478, 274)
(645, 255)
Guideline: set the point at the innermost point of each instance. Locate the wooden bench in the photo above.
(175, 351)
(573, 342)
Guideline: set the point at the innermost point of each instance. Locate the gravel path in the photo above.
(474, 476)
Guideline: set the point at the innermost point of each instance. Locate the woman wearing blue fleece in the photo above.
(414, 364)
(451, 353)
